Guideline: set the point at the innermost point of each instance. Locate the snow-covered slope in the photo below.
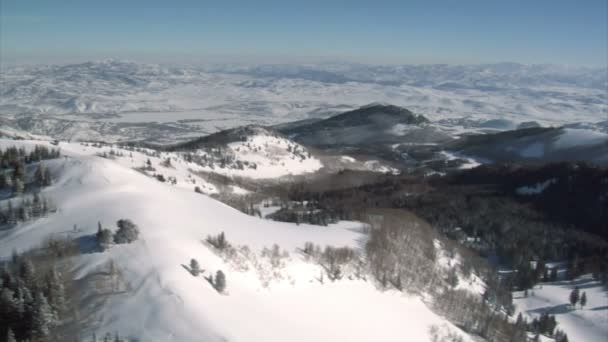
(251, 151)
(160, 300)
(589, 324)
(538, 145)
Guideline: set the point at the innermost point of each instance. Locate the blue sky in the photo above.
(533, 31)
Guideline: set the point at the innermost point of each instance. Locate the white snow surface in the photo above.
(589, 324)
(164, 302)
(96, 99)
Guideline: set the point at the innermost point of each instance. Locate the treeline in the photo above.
(482, 211)
(14, 164)
(575, 193)
(35, 294)
(310, 213)
(29, 208)
(15, 155)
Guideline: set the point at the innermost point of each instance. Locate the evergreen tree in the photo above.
(520, 320)
(195, 267)
(583, 299)
(104, 237)
(127, 232)
(55, 290)
(574, 297)
(27, 272)
(43, 318)
(220, 281)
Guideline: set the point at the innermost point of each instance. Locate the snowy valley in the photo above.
(326, 202)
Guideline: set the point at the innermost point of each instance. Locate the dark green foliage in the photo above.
(583, 299)
(195, 267)
(33, 296)
(219, 241)
(545, 324)
(104, 237)
(220, 281)
(574, 297)
(127, 232)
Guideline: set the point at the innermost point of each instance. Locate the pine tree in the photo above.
(220, 281)
(27, 272)
(574, 297)
(40, 175)
(104, 237)
(195, 267)
(520, 320)
(583, 299)
(127, 232)
(55, 290)
(43, 318)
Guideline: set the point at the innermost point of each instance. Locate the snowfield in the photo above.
(158, 298)
(273, 157)
(589, 324)
(126, 100)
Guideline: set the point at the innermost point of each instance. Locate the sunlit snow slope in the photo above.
(161, 301)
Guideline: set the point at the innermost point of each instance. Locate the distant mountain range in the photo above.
(112, 98)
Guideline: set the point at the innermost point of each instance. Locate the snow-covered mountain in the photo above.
(154, 297)
(250, 151)
(115, 98)
(538, 145)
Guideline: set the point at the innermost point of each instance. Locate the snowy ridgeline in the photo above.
(257, 157)
(146, 289)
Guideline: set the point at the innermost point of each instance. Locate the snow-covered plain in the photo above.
(160, 300)
(589, 324)
(127, 100)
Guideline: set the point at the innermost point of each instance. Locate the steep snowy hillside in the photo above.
(270, 296)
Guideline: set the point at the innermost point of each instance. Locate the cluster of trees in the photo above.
(219, 157)
(30, 208)
(35, 289)
(307, 214)
(13, 168)
(218, 241)
(336, 261)
(481, 210)
(108, 337)
(12, 155)
(127, 232)
(218, 282)
(401, 251)
(577, 298)
(545, 325)
(111, 155)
